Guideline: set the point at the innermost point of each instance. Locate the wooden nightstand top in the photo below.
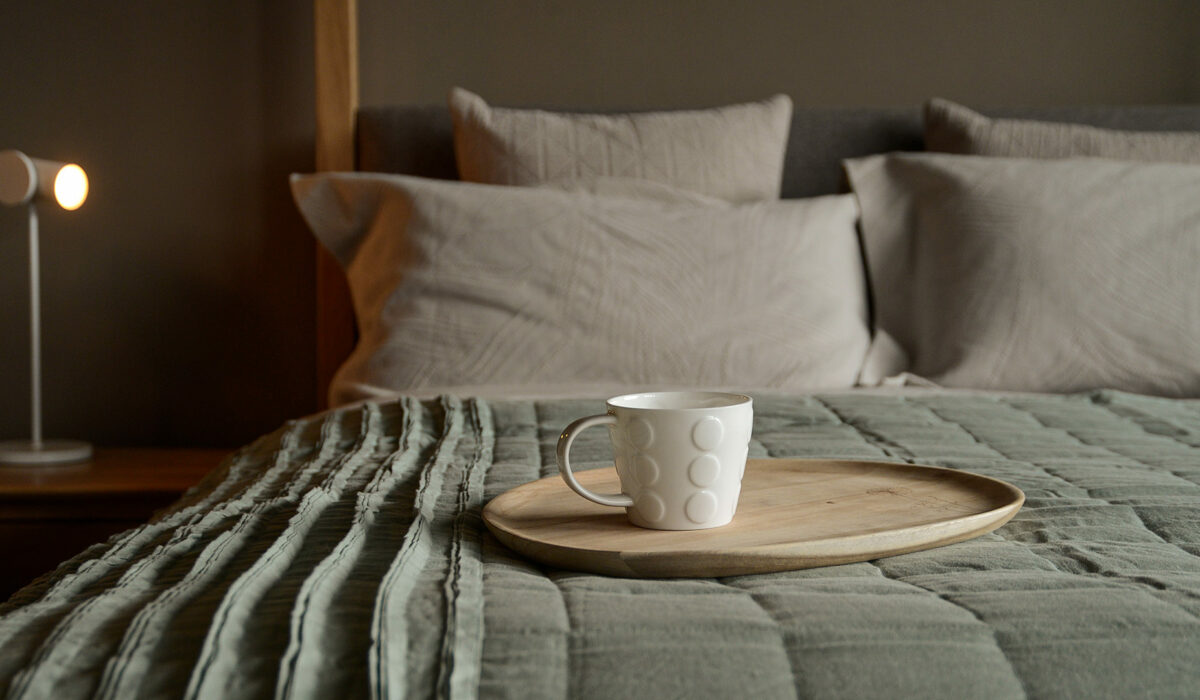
(50, 513)
(155, 475)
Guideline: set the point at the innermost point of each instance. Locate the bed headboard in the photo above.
(417, 140)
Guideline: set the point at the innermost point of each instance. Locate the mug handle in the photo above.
(568, 436)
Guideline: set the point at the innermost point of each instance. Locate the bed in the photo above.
(344, 554)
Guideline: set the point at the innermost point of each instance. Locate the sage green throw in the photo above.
(344, 556)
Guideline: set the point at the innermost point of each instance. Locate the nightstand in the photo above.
(49, 514)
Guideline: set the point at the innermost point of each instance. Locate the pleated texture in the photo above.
(344, 555)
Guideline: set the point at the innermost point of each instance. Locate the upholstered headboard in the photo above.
(417, 140)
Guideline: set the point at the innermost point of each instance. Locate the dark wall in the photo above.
(178, 301)
(847, 53)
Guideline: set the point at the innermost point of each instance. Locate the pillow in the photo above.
(734, 153)
(458, 284)
(1036, 275)
(952, 128)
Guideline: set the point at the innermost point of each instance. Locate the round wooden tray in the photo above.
(792, 514)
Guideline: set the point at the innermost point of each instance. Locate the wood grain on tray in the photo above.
(792, 514)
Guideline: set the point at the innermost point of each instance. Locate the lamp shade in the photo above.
(22, 178)
(22, 181)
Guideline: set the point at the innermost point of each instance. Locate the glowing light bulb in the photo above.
(70, 187)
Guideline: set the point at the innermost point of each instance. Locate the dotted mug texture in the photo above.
(700, 505)
(680, 457)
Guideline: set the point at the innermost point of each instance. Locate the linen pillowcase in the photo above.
(953, 128)
(734, 153)
(1036, 275)
(459, 284)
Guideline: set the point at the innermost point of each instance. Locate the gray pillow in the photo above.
(953, 128)
(621, 285)
(1036, 275)
(734, 152)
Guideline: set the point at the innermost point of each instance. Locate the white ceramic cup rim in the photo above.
(678, 401)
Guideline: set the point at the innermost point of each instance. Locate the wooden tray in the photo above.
(792, 514)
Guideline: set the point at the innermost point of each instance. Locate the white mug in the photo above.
(680, 456)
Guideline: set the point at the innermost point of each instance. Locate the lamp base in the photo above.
(26, 452)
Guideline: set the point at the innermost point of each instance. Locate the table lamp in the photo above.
(23, 180)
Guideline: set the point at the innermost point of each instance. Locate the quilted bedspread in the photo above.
(344, 555)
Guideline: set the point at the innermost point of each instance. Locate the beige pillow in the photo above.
(953, 128)
(1036, 275)
(459, 284)
(734, 153)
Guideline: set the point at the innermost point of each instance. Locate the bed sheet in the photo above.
(344, 555)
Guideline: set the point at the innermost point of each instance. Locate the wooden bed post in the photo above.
(336, 43)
